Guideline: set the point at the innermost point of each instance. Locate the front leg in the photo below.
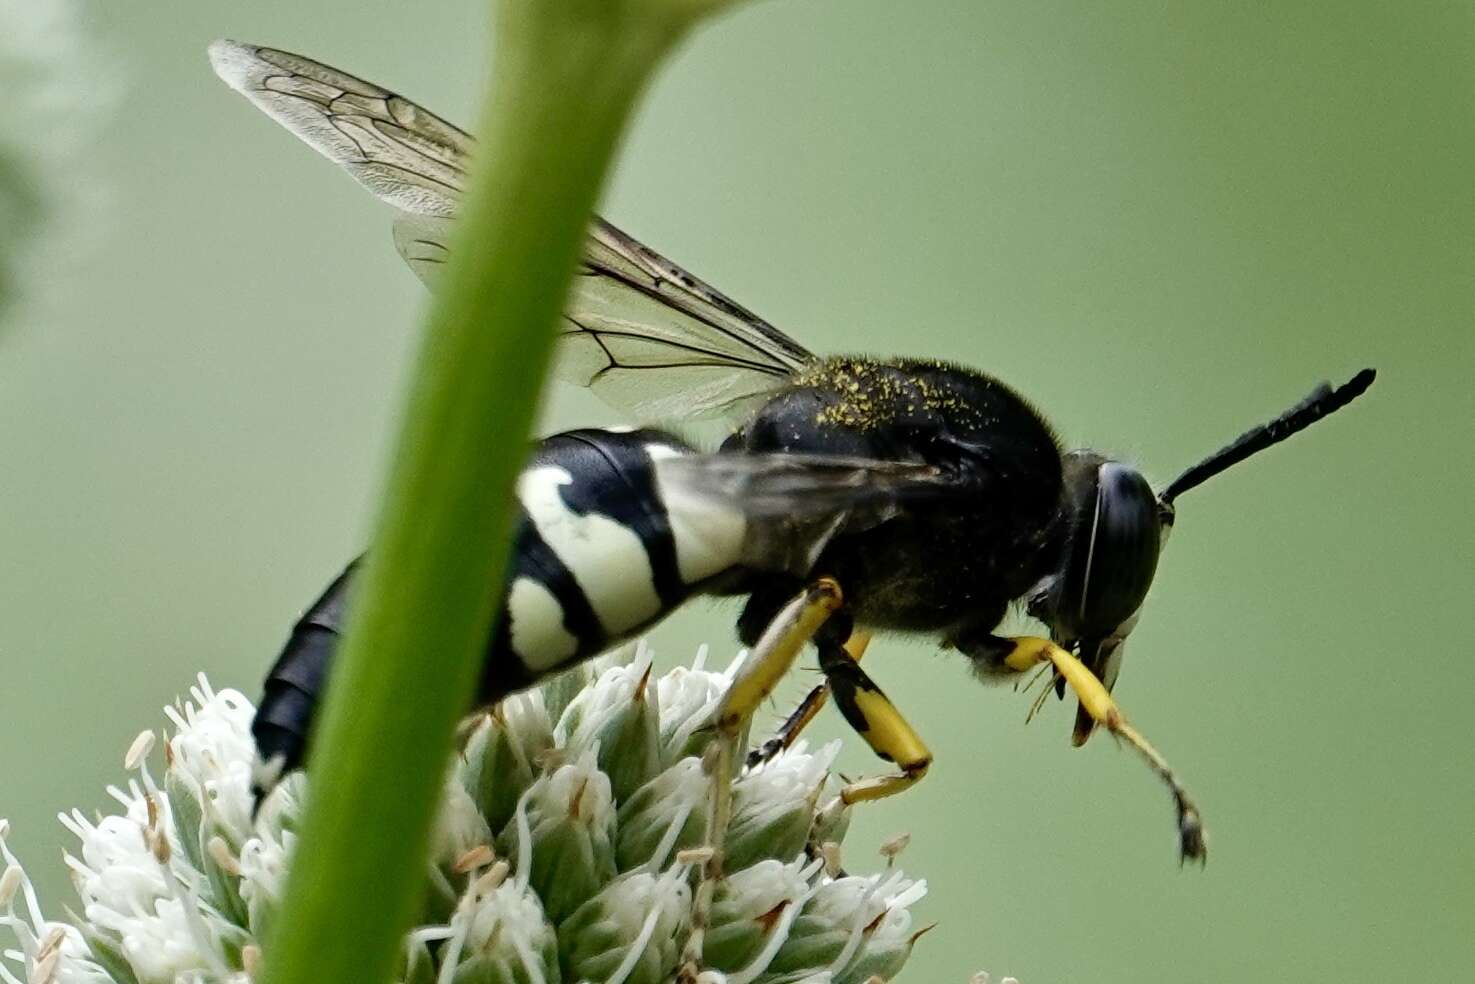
(994, 655)
(873, 716)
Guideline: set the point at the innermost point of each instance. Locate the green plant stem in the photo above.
(566, 75)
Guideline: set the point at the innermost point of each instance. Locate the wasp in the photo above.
(852, 496)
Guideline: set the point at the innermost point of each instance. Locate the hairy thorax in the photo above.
(927, 565)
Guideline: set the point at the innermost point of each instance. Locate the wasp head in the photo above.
(1115, 528)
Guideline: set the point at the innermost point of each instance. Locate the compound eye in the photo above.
(1166, 516)
(1117, 538)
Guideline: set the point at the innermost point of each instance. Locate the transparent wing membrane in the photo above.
(647, 337)
(794, 484)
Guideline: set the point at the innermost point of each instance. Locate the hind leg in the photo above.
(773, 653)
(807, 709)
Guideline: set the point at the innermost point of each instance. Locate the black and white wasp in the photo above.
(854, 494)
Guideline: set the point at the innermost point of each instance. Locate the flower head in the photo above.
(560, 854)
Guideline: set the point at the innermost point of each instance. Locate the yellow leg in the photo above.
(876, 720)
(767, 662)
(808, 708)
(775, 652)
(1096, 701)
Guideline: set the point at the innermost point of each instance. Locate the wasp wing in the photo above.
(630, 310)
(779, 484)
(795, 503)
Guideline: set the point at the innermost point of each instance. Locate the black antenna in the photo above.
(1322, 401)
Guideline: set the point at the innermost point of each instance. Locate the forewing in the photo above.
(642, 332)
(406, 155)
(645, 335)
(794, 503)
(788, 483)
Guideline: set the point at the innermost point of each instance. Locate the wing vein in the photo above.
(417, 162)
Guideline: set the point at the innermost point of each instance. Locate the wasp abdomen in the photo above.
(601, 550)
(292, 687)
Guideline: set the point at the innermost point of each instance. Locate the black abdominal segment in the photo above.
(588, 502)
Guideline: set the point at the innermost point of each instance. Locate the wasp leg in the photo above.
(876, 720)
(775, 653)
(1025, 652)
(810, 706)
(770, 658)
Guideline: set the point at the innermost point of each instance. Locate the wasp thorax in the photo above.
(1115, 534)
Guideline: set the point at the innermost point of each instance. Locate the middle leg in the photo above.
(877, 721)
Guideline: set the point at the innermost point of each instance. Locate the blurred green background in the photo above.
(1163, 222)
